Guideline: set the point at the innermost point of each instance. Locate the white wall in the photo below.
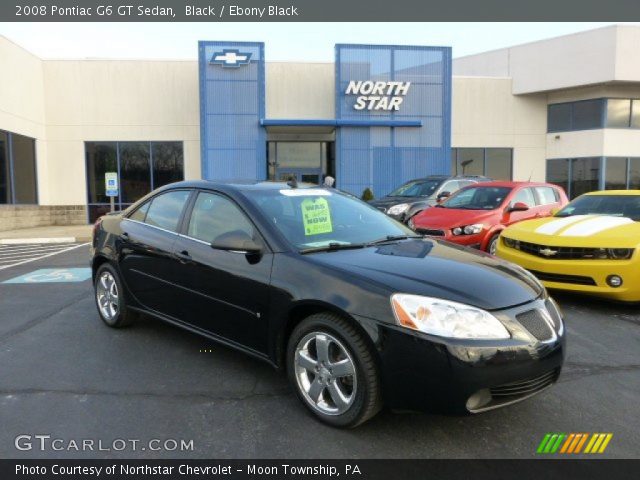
(586, 58)
(101, 100)
(300, 90)
(486, 114)
(63, 103)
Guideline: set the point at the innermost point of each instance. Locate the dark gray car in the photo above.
(414, 196)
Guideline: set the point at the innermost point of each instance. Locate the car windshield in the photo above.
(614, 205)
(419, 188)
(316, 217)
(477, 198)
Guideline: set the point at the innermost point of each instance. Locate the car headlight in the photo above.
(620, 253)
(446, 319)
(398, 209)
(511, 243)
(468, 229)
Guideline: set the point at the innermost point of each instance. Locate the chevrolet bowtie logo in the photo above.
(547, 252)
(231, 58)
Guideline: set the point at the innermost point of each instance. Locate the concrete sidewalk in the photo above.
(51, 234)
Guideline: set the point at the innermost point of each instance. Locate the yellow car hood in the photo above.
(578, 231)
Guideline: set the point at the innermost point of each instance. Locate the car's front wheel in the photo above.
(110, 300)
(333, 371)
(493, 244)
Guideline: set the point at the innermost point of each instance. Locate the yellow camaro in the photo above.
(592, 245)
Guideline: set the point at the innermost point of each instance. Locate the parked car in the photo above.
(412, 197)
(475, 216)
(592, 246)
(353, 305)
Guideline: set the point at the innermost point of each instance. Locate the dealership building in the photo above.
(565, 110)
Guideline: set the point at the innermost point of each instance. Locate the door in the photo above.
(223, 292)
(526, 196)
(146, 249)
(302, 175)
(548, 199)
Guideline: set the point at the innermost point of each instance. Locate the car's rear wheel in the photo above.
(333, 371)
(109, 297)
(493, 244)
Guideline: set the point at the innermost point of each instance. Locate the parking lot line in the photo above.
(48, 254)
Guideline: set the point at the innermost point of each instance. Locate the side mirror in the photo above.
(518, 207)
(442, 196)
(237, 241)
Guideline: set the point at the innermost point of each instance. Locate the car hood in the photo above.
(578, 231)
(445, 218)
(438, 269)
(387, 202)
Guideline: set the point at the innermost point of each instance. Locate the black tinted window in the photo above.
(214, 215)
(165, 209)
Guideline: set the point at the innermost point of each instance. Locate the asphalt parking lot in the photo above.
(65, 374)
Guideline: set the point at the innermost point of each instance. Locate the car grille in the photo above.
(524, 387)
(559, 253)
(430, 232)
(535, 323)
(559, 278)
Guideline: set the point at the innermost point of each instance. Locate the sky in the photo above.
(311, 42)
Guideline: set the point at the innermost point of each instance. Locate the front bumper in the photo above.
(427, 373)
(587, 276)
(472, 241)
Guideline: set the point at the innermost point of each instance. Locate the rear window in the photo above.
(547, 195)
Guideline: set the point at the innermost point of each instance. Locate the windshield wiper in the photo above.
(333, 246)
(393, 238)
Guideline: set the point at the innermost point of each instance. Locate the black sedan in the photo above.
(359, 310)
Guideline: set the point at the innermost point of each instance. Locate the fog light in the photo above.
(479, 400)
(614, 281)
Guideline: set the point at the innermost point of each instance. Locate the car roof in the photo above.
(239, 186)
(499, 183)
(447, 177)
(614, 192)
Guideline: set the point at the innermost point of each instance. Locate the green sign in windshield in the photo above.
(316, 216)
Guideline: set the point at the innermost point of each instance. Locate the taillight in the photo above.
(96, 226)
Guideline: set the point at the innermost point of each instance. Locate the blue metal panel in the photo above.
(232, 102)
(338, 123)
(385, 155)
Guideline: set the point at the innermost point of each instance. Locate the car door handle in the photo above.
(183, 256)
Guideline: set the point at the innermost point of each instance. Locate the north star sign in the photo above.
(377, 95)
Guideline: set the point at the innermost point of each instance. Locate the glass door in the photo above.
(306, 161)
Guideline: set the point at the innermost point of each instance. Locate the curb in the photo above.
(16, 241)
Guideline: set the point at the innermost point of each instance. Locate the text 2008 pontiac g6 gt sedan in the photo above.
(359, 310)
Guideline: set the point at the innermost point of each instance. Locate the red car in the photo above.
(475, 215)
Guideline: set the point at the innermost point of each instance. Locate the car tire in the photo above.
(493, 243)
(326, 376)
(109, 297)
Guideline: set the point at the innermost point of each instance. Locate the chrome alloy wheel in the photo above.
(107, 296)
(326, 373)
(493, 246)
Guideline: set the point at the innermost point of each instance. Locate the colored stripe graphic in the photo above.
(572, 443)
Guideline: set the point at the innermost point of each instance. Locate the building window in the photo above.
(615, 173)
(141, 166)
(585, 175)
(575, 175)
(496, 163)
(618, 113)
(18, 183)
(634, 174)
(580, 115)
(558, 173)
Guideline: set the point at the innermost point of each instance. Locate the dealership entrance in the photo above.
(308, 161)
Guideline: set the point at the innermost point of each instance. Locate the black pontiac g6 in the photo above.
(356, 308)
